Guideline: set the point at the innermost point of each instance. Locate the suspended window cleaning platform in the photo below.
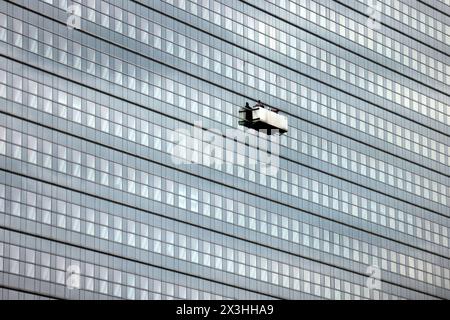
(260, 117)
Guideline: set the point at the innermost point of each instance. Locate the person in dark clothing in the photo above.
(259, 104)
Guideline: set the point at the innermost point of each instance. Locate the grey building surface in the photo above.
(104, 194)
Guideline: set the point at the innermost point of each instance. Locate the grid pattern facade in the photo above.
(91, 116)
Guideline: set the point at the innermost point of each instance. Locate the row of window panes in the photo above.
(369, 38)
(122, 284)
(88, 221)
(135, 175)
(126, 126)
(393, 89)
(412, 145)
(434, 197)
(348, 71)
(315, 146)
(157, 140)
(52, 268)
(406, 97)
(414, 18)
(408, 145)
(256, 267)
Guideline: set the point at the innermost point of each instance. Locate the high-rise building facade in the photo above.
(125, 173)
